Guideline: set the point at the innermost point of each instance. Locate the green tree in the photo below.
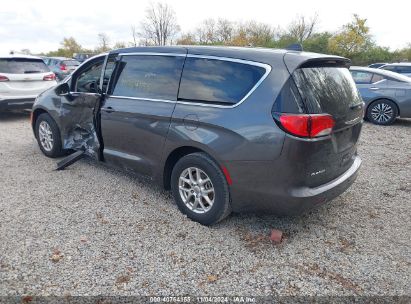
(69, 46)
(353, 38)
(317, 43)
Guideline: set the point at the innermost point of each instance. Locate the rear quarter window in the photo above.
(216, 81)
(390, 68)
(404, 69)
(22, 66)
(361, 77)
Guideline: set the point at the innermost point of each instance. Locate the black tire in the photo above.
(56, 149)
(382, 112)
(221, 207)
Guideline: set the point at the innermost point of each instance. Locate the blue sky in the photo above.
(40, 25)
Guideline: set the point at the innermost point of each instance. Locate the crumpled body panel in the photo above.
(78, 123)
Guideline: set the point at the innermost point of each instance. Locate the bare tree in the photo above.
(302, 28)
(120, 45)
(160, 24)
(253, 34)
(104, 42)
(25, 51)
(224, 31)
(134, 34)
(206, 32)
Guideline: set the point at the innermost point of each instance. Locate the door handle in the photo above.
(374, 89)
(108, 109)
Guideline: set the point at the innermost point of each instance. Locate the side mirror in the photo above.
(62, 89)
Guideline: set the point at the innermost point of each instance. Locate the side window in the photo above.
(217, 81)
(404, 69)
(376, 78)
(361, 77)
(148, 76)
(390, 68)
(88, 79)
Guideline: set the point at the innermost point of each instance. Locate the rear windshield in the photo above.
(71, 62)
(327, 89)
(22, 66)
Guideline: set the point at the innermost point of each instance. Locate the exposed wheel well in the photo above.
(172, 159)
(35, 115)
(398, 109)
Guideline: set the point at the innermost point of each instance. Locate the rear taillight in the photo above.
(3, 78)
(49, 77)
(306, 125)
(63, 67)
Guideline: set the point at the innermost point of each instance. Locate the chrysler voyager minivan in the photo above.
(225, 128)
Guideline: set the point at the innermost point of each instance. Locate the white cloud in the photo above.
(41, 25)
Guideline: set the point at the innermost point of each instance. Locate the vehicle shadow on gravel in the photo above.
(403, 122)
(253, 230)
(14, 115)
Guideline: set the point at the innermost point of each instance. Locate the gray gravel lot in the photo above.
(92, 230)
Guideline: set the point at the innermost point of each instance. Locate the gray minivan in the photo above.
(225, 128)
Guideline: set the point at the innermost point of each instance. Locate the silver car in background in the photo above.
(386, 94)
(22, 79)
(62, 66)
(403, 68)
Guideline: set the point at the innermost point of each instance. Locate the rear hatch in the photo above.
(326, 93)
(24, 77)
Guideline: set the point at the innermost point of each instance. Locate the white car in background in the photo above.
(22, 79)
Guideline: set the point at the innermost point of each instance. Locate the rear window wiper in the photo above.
(31, 72)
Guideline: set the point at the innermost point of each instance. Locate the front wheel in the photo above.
(48, 136)
(200, 189)
(382, 112)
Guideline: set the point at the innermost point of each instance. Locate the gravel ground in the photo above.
(91, 230)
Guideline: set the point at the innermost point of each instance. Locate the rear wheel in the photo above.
(382, 112)
(48, 136)
(200, 189)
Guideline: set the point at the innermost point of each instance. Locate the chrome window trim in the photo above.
(152, 54)
(141, 98)
(267, 68)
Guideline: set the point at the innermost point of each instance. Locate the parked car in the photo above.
(45, 59)
(377, 65)
(22, 78)
(62, 67)
(401, 68)
(226, 129)
(81, 57)
(386, 94)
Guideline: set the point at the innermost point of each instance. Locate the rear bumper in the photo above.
(18, 103)
(286, 200)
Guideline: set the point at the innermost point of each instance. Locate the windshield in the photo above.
(22, 66)
(327, 89)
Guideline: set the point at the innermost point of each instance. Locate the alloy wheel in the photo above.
(46, 136)
(382, 112)
(196, 190)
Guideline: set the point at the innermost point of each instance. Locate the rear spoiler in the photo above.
(296, 60)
